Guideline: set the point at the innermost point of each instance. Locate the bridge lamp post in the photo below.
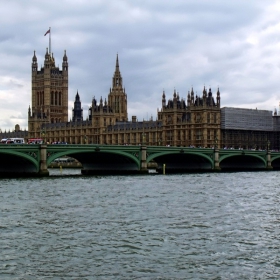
(85, 139)
(43, 133)
(159, 142)
(216, 142)
(143, 138)
(268, 145)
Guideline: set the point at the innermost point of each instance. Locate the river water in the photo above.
(191, 226)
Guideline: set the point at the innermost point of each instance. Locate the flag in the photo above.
(47, 32)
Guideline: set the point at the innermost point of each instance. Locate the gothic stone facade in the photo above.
(179, 123)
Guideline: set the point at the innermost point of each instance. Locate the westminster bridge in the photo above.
(17, 160)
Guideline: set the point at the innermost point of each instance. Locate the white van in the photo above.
(15, 141)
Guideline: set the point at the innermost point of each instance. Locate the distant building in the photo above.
(249, 128)
(16, 133)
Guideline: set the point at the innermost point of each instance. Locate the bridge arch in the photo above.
(275, 161)
(99, 158)
(18, 162)
(242, 162)
(182, 160)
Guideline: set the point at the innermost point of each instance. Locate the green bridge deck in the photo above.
(34, 159)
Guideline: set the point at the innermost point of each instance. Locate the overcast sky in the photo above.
(162, 45)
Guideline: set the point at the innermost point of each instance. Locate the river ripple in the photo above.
(195, 226)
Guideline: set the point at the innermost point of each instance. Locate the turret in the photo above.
(189, 99)
(101, 105)
(204, 96)
(34, 63)
(174, 99)
(65, 62)
(218, 98)
(163, 101)
(192, 97)
(210, 97)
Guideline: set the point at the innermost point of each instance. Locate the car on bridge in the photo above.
(12, 141)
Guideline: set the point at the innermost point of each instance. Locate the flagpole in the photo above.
(50, 42)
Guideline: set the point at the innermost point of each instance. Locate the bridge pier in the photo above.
(216, 160)
(43, 168)
(143, 163)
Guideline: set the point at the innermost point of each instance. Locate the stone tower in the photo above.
(117, 99)
(77, 111)
(49, 100)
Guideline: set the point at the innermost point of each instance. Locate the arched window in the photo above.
(52, 98)
(42, 98)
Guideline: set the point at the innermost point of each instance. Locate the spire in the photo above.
(77, 96)
(192, 97)
(47, 53)
(204, 92)
(34, 59)
(163, 101)
(65, 62)
(117, 79)
(117, 64)
(65, 56)
(189, 99)
(218, 98)
(218, 92)
(34, 63)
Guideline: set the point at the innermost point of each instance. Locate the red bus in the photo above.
(35, 141)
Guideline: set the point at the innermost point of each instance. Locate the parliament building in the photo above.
(194, 121)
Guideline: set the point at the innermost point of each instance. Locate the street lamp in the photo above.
(43, 133)
(159, 142)
(216, 142)
(268, 145)
(143, 138)
(85, 139)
